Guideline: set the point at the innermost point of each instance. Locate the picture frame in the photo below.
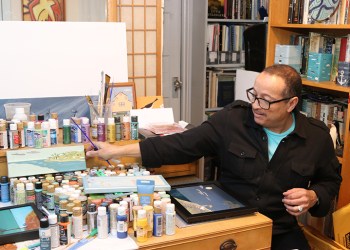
(122, 96)
(204, 201)
(19, 223)
(34, 10)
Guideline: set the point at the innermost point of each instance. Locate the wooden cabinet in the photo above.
(279, 32)
(247, 232)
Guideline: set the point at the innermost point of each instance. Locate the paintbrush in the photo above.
(87, 137)
(90, 102)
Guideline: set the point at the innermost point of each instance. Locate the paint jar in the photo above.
(10, 109)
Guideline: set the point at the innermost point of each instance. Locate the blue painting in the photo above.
(45, 160)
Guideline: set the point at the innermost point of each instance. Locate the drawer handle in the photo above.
(228, 245)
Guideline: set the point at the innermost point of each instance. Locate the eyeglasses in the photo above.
(264, 104)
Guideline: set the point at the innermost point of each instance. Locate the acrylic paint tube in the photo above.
(55, 231)
(65, 230)
(77, 223)
(85, 127)
(54, 116)
(135, 210)
(157, 219)
(45, 234)
(111, 130)
(53, 131)
(13, 136)
(38, 137)
(141, 232)
(149, 216)
(126, 128)
(113, 212)
(75, 131)
(38, 194)
(145, 190)
(118, 128)
(101, 129)
(45, 130)
(21, 135)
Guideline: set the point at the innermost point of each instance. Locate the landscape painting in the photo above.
(45, 160)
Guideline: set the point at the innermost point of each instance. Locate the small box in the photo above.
(319, 67)
(224, 57)
(287, 50)
(343, 76)
(212, 57)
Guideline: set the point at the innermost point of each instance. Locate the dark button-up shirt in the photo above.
(303, 159)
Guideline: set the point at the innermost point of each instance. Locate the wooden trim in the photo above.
(159, 48)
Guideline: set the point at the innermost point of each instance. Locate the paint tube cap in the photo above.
(38, 185)
(111, 121)
(4, 179)
(117, 119)
(121, 211)
(52, 219)
(29, 186)
(66, 122)
(64, 218)
(101, 210)
(41, 117)
(170, 208)
(92, 207)
(44, 223)
(133, 118)
(141, 214)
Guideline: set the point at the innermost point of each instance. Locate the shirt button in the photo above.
(242, 153)
(264, 138)
(257, 198)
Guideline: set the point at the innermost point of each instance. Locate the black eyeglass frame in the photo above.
(269, 102)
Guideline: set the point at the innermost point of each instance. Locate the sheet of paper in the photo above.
(149, 116)
(244, 80)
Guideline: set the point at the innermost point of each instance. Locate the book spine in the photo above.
(290, 11)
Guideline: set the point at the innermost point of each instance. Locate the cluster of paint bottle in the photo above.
(33, 132)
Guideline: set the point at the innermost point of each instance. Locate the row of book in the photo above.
(315, 42)
(238, 9)
(304, 12)
(327, 109)
(221, 37)
(220, 88)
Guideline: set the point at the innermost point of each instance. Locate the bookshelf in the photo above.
(234, 57)
(279, 32)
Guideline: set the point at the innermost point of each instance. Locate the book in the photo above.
(216, 9)
(226, 89)
(290, 12)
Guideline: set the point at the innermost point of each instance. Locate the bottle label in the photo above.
(53, 136)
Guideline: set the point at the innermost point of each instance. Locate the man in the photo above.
(270, 155)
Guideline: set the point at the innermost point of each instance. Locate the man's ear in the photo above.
(293, 102)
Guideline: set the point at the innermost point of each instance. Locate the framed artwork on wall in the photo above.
(36, 10)
(122, 96)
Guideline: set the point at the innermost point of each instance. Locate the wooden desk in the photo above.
(248, 232)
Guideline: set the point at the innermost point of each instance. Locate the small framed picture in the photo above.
(122, 96)
(34, 10)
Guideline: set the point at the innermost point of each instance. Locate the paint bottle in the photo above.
(54, 115)
(13, 136)
(5, 189)
(53, 131)
(170, 219)
(135, 210)
(94, 128)
(12, 189)
(55, 231)
(126, 128)
(30, 193)
(102, 223)
(111, 130)
(122, 224)
(20, 115)
(66, 131)
(91, 217)
(45, 234)
(21, 135)
(141, 232)
(118, 128)
(38, 194)
(149, 216)
(134, 126)
(65, 230)
(38, 138)
(113, 212)
(30, 134)
(77, 223)
(45, 132)
(101, 129)
(25, 127)
(70, 207)
(157, 219)
(20, 194)
(75, 131)
(50, 202)
(3, 136)
(85, 127)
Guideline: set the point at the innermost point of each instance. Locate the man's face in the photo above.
(271, 88)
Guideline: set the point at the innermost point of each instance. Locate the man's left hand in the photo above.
(299, 200)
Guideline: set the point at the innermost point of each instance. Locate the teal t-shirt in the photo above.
(274, 138)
